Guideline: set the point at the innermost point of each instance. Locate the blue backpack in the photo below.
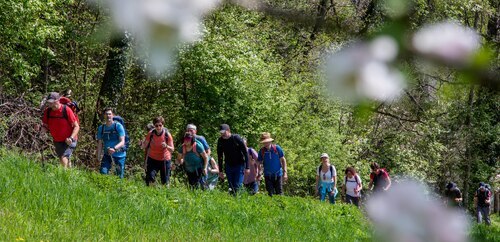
(120, 120)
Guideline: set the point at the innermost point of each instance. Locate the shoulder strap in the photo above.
(165, 134)
(116, 130)
(273, 146)
(331, 170)
(319, 170)
(65, 112)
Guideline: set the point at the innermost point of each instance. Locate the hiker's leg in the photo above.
(166, 177)
(64, 161)
(355, 201)
(348, 199)
(486, 214)
(278, 185)
(322, 194)
(150, 172)
(478, 214)
(105, 164)
(239, 177)
(64, 152)
(192, 179)
(230, 179)
(255, 187)
(120, 165)
(331, 197)
(269, 185)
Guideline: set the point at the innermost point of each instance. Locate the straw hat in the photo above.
(265, 137)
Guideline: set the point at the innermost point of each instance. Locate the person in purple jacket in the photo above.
(250, 180)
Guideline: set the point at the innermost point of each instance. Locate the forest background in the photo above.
(258, 71)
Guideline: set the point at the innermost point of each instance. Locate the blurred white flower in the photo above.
(405, 213)
(160, 26)
(384, 48)
(447, 41)
(361, 71)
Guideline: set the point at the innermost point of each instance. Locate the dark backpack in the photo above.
(118, 119)
(355, 178)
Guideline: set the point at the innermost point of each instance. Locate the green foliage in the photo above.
(50, 203)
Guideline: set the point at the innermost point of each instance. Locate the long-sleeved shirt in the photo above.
(233, 151)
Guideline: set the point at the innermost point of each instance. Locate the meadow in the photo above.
(48, 203)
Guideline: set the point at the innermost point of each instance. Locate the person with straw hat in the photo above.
(273, 160)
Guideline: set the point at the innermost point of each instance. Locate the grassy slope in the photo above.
(54, 204)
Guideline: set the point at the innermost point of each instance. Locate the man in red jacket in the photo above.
(63, 126)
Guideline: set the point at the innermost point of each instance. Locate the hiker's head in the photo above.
(188, 138)
(324, 157)
(482, 186)
(375, 167)
(191, 128)
(266, 140)
(158, 122)
(450, 185)
(225, 131)
(108, 114)
(350, 172)
(52, 100)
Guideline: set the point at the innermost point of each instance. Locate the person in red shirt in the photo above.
(159, 146)
(63, 126)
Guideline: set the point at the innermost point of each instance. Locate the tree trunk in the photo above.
(468, 151)
(114, 75)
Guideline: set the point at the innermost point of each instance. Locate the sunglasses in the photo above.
(158, 125)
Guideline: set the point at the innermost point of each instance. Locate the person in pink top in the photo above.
(159, 146)
(250, 180)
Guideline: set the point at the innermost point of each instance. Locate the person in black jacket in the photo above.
(482, 203)
(453, 195)
(231, 149)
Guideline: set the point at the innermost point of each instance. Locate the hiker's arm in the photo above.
(215, 168)
(316, 187)
(334, 181)
(388, 183)
(74, 133)
(220, 156)
(205, 161)
(145, 142)
(170, 143)
(99, 149)
(285, 171)
(179, 159)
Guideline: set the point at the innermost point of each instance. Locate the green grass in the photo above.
(50, 203)
(483, 233)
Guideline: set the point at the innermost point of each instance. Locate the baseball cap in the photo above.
(324, 155)
(223, 128)
(52, 97)
(191, 126)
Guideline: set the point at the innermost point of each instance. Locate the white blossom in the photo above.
(159, 26)
(405, 213)
(447, 41)
(362, 71)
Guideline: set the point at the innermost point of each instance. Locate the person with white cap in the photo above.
(326, 179)
(191, 128)
(232, 150)
(63, 125)
(272, 158)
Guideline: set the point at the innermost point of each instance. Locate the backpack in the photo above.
(165, 136)
(331, 169)
(118, 119)
(263, 151)
(355, 178)
(73, 105)
(64, 114)
(193, 148)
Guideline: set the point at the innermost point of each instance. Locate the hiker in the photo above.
(352, 186)
(111, 140)
(272, 159)
(326, 179)
(212, 174)
(195, 160)
(231, 151)
(250, 180)
(63, 125)
(191, 128)
(159, 146)
(453, 195)
(379, 178)
(482, 199)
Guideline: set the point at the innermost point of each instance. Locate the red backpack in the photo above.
(72, 105)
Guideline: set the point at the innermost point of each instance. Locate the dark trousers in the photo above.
(352, 200)
(152, 168)
(252, 187)
(234, 176)
(195, 178)
(274, 185)
(483, 212)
